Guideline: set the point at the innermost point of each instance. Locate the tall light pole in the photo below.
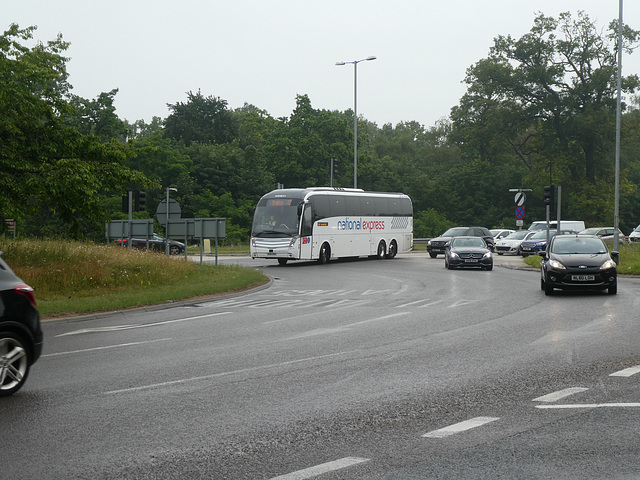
(355, 114)
(616, 212)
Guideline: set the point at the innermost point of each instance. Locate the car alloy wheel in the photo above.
(14, 363)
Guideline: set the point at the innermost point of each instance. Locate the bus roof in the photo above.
(304, 192)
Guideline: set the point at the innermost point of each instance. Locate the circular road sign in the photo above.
(174, 211)
(520, 198)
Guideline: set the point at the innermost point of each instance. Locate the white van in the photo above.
(575, 225)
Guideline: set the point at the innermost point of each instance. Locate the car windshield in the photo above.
(590, 231)
(454, 232)
(578, 245)
(541, 234)
(468, 242)
(519, 235)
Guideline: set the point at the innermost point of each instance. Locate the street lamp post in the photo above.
(355, 114)
(166, 242)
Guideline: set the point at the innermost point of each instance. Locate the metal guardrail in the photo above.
(421, 240)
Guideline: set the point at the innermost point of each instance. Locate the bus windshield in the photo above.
(276, 217)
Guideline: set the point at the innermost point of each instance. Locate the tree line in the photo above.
(538, 110)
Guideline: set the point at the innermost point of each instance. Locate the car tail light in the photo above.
(27, 291)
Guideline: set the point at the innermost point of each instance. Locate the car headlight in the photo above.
(429, 242)
(608, 264)
(453, 254)
(487, 255)
(556, 264)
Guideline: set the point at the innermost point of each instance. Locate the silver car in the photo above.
(510, 244)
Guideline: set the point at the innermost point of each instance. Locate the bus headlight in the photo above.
(293, 241)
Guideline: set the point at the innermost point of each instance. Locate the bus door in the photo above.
(306, 227)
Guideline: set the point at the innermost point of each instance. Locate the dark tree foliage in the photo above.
(201, 119)
(48, 159)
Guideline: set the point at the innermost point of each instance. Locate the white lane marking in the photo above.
(132, 344)
(460, 427)
(342, 328)
(431, 303)
(116, 328)
(461, 302)
(322, 468)
(627, 372)
(555, 396)
(590, 405)
(223, 374)
(413, 303)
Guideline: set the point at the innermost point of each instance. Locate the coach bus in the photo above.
(324, 223)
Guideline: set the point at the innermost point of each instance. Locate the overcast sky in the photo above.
(265, 52)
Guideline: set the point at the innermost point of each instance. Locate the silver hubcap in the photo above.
(13, 363)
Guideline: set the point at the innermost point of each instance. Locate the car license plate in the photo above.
(471, 260)
(582, 278)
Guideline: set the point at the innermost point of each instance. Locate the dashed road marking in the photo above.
(589, 405)
(555, 396)
(627, 372)
(460, 427)
(116, 328)
(322, 468)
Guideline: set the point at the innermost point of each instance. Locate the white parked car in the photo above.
(499, 233)
(605, 233)
(511, 243)
(635, 235)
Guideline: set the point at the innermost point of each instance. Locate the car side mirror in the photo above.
(615, 256)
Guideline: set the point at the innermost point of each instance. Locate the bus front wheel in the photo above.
(325, 254)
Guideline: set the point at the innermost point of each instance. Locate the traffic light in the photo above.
(125, 203)
(548, 194)
(141, 201)
(335, 166)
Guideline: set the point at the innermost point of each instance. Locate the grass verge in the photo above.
(72, 278)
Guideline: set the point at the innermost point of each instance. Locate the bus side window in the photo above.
(321, 207)
(307, 222)
(367, 207)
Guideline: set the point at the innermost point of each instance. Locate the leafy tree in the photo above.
(98, 117)
(45, 160)
(547, 100)
(201, 119)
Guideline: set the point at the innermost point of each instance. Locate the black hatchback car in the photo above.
(20, 332)
(578, 262)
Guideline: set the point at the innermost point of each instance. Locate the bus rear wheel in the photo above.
(325, 254)
(382, 249)
(393, 249)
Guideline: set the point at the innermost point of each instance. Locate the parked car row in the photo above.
(570, 260)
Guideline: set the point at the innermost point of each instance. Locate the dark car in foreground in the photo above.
(155, 242)
(20, 332)
(437, 245)
(468, 252)
(578, 262)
